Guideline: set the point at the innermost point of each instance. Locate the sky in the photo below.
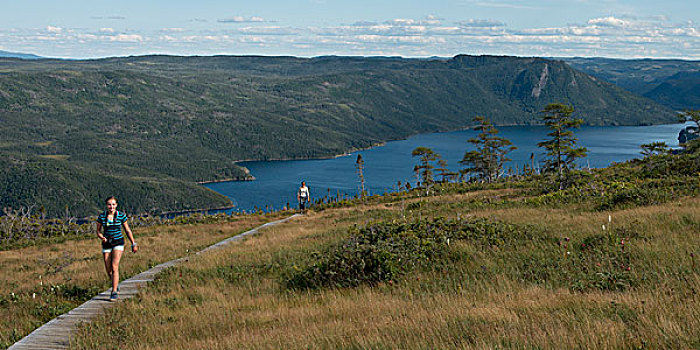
(545, 28)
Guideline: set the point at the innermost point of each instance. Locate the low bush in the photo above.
(385, 251)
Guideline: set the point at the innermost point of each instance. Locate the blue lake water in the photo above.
(277, 181)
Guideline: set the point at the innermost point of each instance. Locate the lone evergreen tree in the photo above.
(561, 147)
(360, 166)
(486, 162)
(425, 169)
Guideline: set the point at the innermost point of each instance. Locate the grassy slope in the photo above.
(475, 299)
(557, 280)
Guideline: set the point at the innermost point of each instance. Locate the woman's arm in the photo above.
(134, 246)
(99, 233)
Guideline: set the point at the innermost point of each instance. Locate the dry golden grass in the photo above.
(32, 278)
(233, 298)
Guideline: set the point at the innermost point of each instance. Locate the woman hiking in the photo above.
(109, 231)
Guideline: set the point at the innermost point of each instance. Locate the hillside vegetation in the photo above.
(672, 83)
(145, 122)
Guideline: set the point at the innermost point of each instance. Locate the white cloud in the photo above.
(168, 38)
(52, 29)
(427, 21)
(241, 19)
(481, 23)
(608, 22)
(126, 38)
(46, 38)
(269, 30)
(614, 36)
(253, 39)
(398, 39)
(88, 37)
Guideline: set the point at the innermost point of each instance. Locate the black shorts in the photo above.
(111, 244)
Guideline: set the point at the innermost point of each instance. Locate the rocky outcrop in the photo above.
(689, 133)
(537, 90)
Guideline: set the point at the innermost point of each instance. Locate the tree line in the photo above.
(486, 162)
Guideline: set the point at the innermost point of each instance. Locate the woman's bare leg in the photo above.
(116, 257)
(108, 264)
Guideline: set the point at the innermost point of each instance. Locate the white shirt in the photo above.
(303, 192)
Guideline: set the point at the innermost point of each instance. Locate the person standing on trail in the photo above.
(109, 231)
(303, 196)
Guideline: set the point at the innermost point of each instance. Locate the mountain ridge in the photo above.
(26, 56)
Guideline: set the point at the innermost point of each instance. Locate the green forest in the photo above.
(672, 83)
(150, 127)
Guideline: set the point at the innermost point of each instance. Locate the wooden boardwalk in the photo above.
(56, 333)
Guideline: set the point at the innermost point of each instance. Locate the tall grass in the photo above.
(536, 287)
(40, 282)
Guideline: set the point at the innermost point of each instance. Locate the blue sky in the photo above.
(100, 28)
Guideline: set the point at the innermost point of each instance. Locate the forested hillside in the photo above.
(148, 127)
(672, 83)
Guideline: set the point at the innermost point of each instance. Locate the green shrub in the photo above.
(376, 253)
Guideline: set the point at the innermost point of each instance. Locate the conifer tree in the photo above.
(561, 147)
(424, 169)
(486, 162)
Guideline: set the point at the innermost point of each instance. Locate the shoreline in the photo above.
(383, 143)
(250, 177)
(346, 153)
(247, 177)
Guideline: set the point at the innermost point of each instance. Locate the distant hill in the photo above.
(672, 83)
(156, 123)
(18, 55)
(680, 91)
